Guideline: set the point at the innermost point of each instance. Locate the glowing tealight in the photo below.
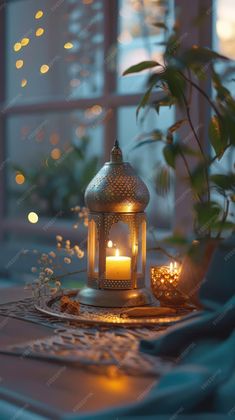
(55, 154)
(44, 68)
(24, 42)
(32, 217)
(39, 32)
(38, 14)
(19, 178)
(19, 64)
(17, 46)
(68, 45)
(23, 82)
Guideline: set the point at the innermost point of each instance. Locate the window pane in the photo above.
(138, 39)
(58, 54)
(147, 159)
(224, 43)
(50, 160)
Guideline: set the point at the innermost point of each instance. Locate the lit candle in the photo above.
(118, 267)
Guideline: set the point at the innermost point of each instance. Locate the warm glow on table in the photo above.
(118, 267)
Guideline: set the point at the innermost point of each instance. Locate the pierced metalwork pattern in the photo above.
(117, 284)
(103, 352)
(116, 188)
(106, 221)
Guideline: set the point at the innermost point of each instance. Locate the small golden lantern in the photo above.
(116, 199)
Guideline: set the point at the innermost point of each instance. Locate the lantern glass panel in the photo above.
(93, 250)
(141, 253)
(118, 252)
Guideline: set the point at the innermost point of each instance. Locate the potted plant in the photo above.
(213, 191)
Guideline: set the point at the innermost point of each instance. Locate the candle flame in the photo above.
(117, 252)
(110, 244)
(171, 267)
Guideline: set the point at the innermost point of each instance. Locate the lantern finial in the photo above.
(116, 153)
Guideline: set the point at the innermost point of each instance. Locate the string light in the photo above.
(39, 32)
(24, 42)
(44, 68)
(17, 46)
(19, 64)
(38, 14)
(32, 217)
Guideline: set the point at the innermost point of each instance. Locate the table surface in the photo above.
(53, 389)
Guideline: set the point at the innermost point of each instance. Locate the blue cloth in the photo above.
(202, 384)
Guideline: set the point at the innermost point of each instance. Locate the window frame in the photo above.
(108, 100)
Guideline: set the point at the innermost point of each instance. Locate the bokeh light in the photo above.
(44, 68)
(19, 178)
(68, 45)
(17, 46)
(32, 217)
(38, 14)
(55, 154)
(19, 64)
(24, 82)
(24, 42)
(39, 32)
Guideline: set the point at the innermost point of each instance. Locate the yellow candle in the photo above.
(118, 267)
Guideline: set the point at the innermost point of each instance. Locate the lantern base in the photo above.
(115, 298)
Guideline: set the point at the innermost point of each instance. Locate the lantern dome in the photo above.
(116, 187)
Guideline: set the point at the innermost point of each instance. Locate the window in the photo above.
(64, 101)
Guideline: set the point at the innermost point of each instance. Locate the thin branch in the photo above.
(158, 248)
(189, 173)
(202, 93)
(61, 276)
(198, 141)
(225, 215)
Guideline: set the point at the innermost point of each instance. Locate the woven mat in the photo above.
(106, 349)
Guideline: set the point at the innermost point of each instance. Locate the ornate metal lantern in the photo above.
(116, 199)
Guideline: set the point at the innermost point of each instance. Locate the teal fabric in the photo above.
(202, 384)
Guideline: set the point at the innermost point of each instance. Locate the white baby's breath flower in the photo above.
(59, 238)
(52, 254)
(48, 271)
(67, 260)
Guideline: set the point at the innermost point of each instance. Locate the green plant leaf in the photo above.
(162, 181)
(200, 55)
(217, 136)
(225, 182)
(198, 178)
(144, 99)
(144, 143)
(144, 65)
(160, 25)
(170, 153)
(207, 213)
(165, 101)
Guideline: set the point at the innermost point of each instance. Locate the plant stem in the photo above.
(202, 93)
(67, 274)
(198, 142)
(188, 170)
(158, 248)
(225, 215)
